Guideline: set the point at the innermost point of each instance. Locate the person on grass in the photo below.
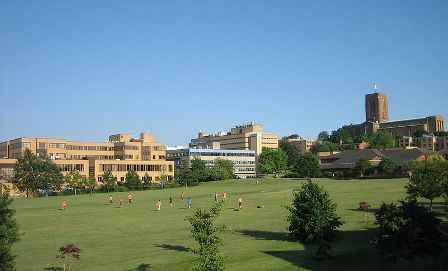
(189, 201)
(159, 205)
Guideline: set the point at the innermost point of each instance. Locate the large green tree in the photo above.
(323, 136)
(272, 161)
(341, 136)
(292, 153)
(9, 233)
(90, 183)
(132, 180)
(406, 231)
(381, 140)
(204, 231)
(183, 173)
(387, 166)
(199, 170)
(108, 181)
(325, 146)
(362, 167)
(307, 165)
(74, 180)
(312, 216)
(222, 169)
(32, 173)
(428, 180)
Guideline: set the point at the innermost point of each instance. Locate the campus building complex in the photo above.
(377, 119)
(302, 145)
(428, 142)
(120, 154)
(245, 137)
(243, 160)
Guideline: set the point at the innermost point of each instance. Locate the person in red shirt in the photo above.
(120, 202)
(110, 199)
(63, 205)
(159, 205)
(182, 196)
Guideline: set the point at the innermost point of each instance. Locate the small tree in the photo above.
(427, 181)
(323, 136)
(108, 181)
(199, 171)
(387, 166)
(406, 231)
(90, 183)
(307, 165)
(9, 233)
(204, 232)
(146, 181)
(291, 151)
(362, 167)
(313, 216)
(74, 180)
(69, 252)
(132, 180)
(183, 174)
(163, 179)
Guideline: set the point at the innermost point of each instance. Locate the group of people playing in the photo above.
(159, 202)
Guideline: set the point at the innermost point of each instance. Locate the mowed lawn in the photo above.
(136, 235)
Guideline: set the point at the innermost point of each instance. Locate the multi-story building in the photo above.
(302, 145)
(244, 137)
(120, 154)
(428, 142)
(243, 160)
(377, 119)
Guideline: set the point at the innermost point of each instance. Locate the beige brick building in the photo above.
(428, 142)
(245, 137)
(120, 154)
(302, 145)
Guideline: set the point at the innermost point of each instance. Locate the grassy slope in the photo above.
(121, 239)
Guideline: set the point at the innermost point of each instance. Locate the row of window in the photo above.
(70, 167)
(250, 154)
(137, 167)
(3, 148)
(20, 145)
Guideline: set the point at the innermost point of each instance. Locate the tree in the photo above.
(183, 173)
(420, 133)
(313, 216)
(325, 146)
(74, 180)
(441, 133)
(146, 181)
(163, 179)
(292, 153)
(204, 231)
(132, 180)
(222, 169)
(435, 158)
(381, 140)
(323, 136)
(90, 183)
(427, 181)
(67, 252)
(272, 161)
(293, 136)
(307, 165)
(362, 167)
(108, 181)
(341, 136)
(9, 233)
(199, 171)
(361, 138)
(387, 166)
(406, 231)
(32, 173)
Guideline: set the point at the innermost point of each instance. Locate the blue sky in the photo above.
(82, 70)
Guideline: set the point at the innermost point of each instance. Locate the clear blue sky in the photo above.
(82, 70)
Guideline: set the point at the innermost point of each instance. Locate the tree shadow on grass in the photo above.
(351, 251)
(141, 267)
(266, 235)
(173, 247)
(370, 210)
(53, 268)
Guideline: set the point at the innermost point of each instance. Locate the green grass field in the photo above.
(136, 235)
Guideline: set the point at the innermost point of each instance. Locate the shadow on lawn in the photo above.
(351, 251)
(266, 235)
(53, 268)
(173, 247)
(141, 267)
